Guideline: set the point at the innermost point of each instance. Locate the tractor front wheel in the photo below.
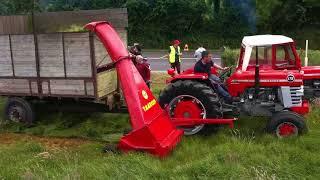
(286, 124)
(190, 99)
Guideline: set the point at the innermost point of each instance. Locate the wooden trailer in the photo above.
(55, 66)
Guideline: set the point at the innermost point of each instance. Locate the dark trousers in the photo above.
(176, 65)
(216, 82)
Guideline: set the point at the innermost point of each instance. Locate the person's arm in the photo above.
(167, 55)
(146, 73)
(180, 54)
(219, 67)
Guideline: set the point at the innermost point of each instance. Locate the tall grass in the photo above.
(248, 153)
(245, 152)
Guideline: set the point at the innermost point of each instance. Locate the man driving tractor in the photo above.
(204, 66)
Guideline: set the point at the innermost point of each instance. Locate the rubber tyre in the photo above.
(199, 90)
(287, 116)
(25, 110)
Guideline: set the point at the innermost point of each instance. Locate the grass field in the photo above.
(68, 146)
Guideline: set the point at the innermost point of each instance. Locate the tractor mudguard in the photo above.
(189, 74)
(199, 76)
(152, 129)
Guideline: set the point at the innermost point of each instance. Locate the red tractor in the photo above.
(268, 81)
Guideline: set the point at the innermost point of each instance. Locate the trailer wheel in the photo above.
(190, 99)
(19, 110)
(287, 124)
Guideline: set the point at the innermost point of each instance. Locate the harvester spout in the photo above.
(152, 129)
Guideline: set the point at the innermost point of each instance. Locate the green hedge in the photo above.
(230, 57)
(313, 56)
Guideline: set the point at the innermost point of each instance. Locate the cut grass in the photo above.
(69, 145)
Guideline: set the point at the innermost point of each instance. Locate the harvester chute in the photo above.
(152, 129)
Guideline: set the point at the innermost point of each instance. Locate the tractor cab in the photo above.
(270, 52)
(266, 61)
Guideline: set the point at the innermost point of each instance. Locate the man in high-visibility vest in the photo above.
(174, 55)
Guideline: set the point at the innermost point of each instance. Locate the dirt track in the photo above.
(48, 142)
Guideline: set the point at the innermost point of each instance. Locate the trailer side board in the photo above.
(6, 68)
(66, 67)
(51, 55)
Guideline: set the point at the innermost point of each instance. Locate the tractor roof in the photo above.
(265, 40)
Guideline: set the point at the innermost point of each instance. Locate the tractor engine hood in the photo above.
(241, 80)
(311, 72)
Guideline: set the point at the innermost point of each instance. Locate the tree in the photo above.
(10, 7)
(277, 16)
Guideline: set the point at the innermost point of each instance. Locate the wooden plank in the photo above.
(5, 57)
(90, 88)
(45, 87)
(102, 56)
(67, 87)
(57, 21)
(123, 35)
(18, 24)
(51, 55)
(23, 54)
(34, 87)
(14, 86)
(77, 55)
(106, 83)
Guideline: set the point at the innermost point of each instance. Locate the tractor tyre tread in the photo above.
(201, 91)
(287, 116)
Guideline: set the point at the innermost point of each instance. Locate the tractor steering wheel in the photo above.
(226, 73)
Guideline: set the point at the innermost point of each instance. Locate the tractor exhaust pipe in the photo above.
(306, 59)
(256, 75)
(152, 129)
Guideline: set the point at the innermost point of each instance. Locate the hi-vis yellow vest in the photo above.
(172, 55)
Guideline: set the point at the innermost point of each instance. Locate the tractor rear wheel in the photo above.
(287, 124)
(190, 99)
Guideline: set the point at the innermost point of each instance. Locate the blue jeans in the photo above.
(216, 82)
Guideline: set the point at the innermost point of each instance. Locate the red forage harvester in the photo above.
(152, 129)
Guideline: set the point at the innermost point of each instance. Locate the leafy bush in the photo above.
(313, 56)
(230, 56)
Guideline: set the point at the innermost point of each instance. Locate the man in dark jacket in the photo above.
(204, 66)
(144, 69)
(141, 63)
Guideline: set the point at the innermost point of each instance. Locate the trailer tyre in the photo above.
(287, 124)
(193, 99)
(19, 110)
